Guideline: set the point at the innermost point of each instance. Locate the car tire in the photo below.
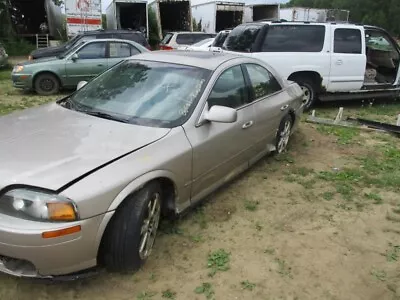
(283, 134)
(309, 89)
(124, 246)
(46, 84)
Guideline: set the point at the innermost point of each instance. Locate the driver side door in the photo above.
(91, 61)
(222, 150)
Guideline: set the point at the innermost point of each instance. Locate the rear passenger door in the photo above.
(348, 60)
(119, 51)
(270, 106)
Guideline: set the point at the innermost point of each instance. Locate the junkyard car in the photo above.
(81, 63)
(85, 180)
(3, 56)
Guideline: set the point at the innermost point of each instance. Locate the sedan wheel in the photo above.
(46, 84)
(283, 136)
(150, 225)
(130, 236)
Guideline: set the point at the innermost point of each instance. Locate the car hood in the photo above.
(49, 51)
(46, 60)
(50, 146)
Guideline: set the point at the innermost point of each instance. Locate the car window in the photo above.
(294, 38)
(347, 41)
(262, 81)
(220, 39)
(93, 51)
(200, 37)
(229, 90)
(186, 39)
(241, 38)
(118, 50)
(166, 38)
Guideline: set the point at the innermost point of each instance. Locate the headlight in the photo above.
(18, 69)
(38, 206)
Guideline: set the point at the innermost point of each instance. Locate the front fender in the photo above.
(139, 182)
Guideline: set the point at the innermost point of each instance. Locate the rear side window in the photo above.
(241, 38)
(167, 38)
(294, 38)
(262, 81)
(220, 39)
(120, 50)
(200, 37)
(347, 41)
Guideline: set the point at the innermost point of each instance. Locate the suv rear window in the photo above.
(167, 38)
(241, 38)
(294, 38)
(135, 37)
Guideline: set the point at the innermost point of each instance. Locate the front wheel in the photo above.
(46, 84)
(309, 92)
(129, 238)
(283, 134)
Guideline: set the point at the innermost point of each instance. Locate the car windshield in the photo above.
(220, 39)
(72, 41)
(241, 38)
(144, 93)
(72, 49)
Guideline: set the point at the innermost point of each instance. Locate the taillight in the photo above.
(163, 47)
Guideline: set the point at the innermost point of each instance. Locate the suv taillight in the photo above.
(163, 47)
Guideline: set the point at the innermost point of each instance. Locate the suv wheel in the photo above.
(309, 91)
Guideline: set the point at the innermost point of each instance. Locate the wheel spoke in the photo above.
(143, 243)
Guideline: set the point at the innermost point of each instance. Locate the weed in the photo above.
(283, 269)
(169, 227)
(285, 157)
(379, 274)
(328, 196)
(308, 184)
(302, 171)
(259, 227)
(290, 178)
(269, 251)
(168, 294)
(247, 285)
(206, 289)
(251, 205)
(345, 135)
(200, 218)
(196, 238)
(346, 190)
(218, 261)
(145, 295)
(393, 253)
(377, 198)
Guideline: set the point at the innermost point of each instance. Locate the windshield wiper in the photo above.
(104, 116)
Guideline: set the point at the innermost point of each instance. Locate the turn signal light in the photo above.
(61, 232)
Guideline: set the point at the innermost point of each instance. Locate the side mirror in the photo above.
(81, 84)
(221, 114)
(75, 57)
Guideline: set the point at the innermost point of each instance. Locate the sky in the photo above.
(105, 3)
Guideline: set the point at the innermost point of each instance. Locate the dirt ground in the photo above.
(320, 222)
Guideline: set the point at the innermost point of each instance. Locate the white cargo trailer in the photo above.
(172, 15)
(218, 15)
(82, 15)
(128, 14)
(314, 15)
(257, 12)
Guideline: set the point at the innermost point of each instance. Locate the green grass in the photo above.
(375, 197)
(145, 295)
(206, 289)
(251, 205)
(379, 275)
(393, 253)
(218, 261)
(344, 135)
(168, 294)
(328, 196)
(283, 269)
(5, 73)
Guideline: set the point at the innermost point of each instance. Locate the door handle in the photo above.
(285, 107)
(247, 125)
(339, 62)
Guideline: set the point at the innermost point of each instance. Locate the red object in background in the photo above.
(162, 47)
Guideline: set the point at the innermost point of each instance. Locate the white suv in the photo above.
(329, 61)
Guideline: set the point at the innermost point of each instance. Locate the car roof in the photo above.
(105, 31)
(201, 59)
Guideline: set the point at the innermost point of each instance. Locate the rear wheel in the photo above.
(129, 238)
(283, 135)
(46, 84)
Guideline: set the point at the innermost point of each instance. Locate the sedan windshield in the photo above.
(144, 93)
